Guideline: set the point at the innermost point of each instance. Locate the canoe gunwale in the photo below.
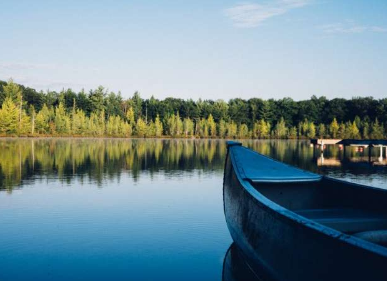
(287, 216)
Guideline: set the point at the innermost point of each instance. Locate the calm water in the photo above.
(102, 209)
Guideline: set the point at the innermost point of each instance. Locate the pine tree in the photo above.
(203, 128)
(292, 133)
(321, 131)
(222, 129)
(12, 91)
(354, 132)
(377, 131)
(42, 121)
(179, 126)
(93, 125)
(151, 129)
(211, 126)
(126, 129)
(305, 128)
(62, 121)
(232, 129)
(188, 127)
(24, 127)
(261, 129)
(172, 125)
(264, 129)
(243, 131)
(280, 130)
(341, 131)
(141, 128)
(9, 117)
(101, 123)
(358, 122)
(334, 128)
(78, 124)
(366, 130)
(130, 116)
(158, 127)
(112, 126)
(311, 130)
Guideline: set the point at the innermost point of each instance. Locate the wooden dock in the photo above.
(350, 142)
(380, 143)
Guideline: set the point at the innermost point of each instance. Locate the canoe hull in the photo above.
(289, 249)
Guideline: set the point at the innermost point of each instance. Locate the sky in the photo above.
(198, 49)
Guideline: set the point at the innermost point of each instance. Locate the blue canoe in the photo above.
(290, 224)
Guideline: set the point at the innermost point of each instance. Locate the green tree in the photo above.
(78, 122)
(24, 127)
(202, 128)
(232, 129)
(42, 121)
(126, 129)
(354, 132)
(366, 130)
(261, 129)
(9, 117)
(321, 131)
(280, 130)
(175, 125)
(13, 91)
(188, 127)
(341, 131)
(211, 126)
(113, 126)
(62, 121)
(334, 128)
(141, 128)
(243, 131)
(158, 127)
(179, 125)
(292, 133)
(97, 100)
(377, 131)
(222, 128)
(137, 105)
(101, 123)
(311, 130)
(130, 116)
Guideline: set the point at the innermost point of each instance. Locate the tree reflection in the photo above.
(101, 159)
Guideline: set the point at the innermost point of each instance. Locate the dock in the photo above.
(350, 142)
(380, 143)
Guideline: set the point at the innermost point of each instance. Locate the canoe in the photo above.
(296, 225)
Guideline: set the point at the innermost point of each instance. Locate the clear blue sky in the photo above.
(198, 49)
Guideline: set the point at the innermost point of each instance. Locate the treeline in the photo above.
(27, 112)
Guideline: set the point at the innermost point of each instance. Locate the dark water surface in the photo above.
(110, 209)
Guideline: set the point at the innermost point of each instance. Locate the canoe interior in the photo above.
(343, 206)
(303, 227)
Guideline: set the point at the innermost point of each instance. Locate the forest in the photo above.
(102, 113)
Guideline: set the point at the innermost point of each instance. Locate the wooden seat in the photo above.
(375, 236)
(346, 220)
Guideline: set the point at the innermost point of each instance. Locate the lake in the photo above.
(137, 209)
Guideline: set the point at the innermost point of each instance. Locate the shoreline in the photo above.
(142, 138)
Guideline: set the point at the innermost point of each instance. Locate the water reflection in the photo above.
(101, 160)
(98, 159)
(157, 213)
(235, 268)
